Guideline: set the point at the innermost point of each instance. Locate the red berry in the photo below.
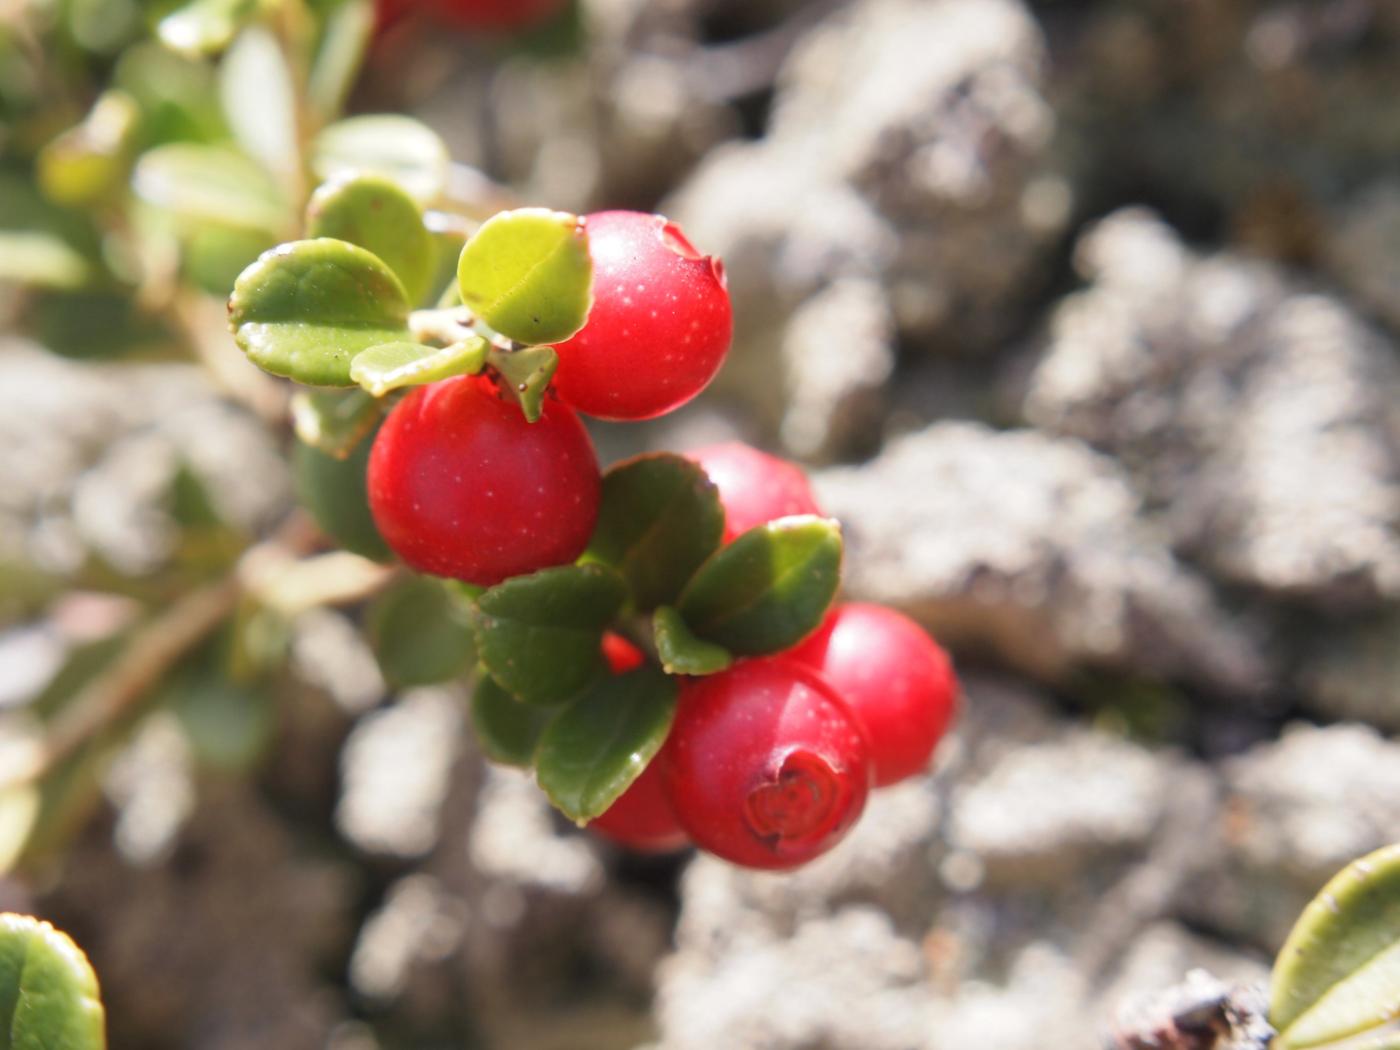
(897, 679)
(766, 766)
(461, 485)
(488, 15)
(659, 327)
(641, 818)
(754, 486)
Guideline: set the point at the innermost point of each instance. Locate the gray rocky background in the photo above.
(1084, 315)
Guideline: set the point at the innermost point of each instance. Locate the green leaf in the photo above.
(683, 653)
(228, 725)
(398, 148)
(32, 257)
(304, 310)
(768, 589)
(421, 633)
(93, 325)
(198, 184)
(389, 366)
(334, 491)
(48, 993)
(527, 372)
(205, 27)
(507, 730)
(259, 98)
(89, 161)
(660, 519)
(348, 31)
(541, 635)
(527, 273)
(214, 256)
(1338, 975)
(178, 96)
(334, 421)
(598, 745)
(19, 808)
(373, 212)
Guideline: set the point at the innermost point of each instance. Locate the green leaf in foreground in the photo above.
(306, 309)
(683, 653)
(373, 212)
(527, 372)
(507, 730)
(598, 745)
(389, 366)
(527, 273)
(768, 589)
(1338, 976)
(399, 148)
(541, 635)
(420, 632)
(48, 993)
(660, 519)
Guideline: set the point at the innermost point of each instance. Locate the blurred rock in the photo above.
(1351, 671)
(1031, 547)
(1363, 249)
(1258, 415)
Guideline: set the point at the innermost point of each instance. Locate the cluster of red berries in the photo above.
(768, 763)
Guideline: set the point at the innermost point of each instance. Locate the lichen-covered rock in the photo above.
(1032, 547)
(1257, 414)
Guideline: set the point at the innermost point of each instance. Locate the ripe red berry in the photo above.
(641, 818)
(659, 327)
(461, 485)
(897, 679)
(766, 766)
(754, 487)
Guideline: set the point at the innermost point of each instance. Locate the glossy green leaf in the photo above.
(259, 98)
(205, 27)
(527, 372)
(768, 589)
(334, 421)
(527, 273)
(348, 30)
(198, 184)
(421, 633)
(1338, 973)
(683, 653)
(49, 998)
(334, 491)
(399, 148)
(89, 161)
(373, 212)
(389, 366)
(507, 730)
(660, 519)
(304, 310)
(598, 745)
(541, 635)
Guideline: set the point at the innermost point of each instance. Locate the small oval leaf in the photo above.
(421, 633)
(198, 184)
(389, 366)
(768, 589)
(399, 148)
(527, 372)
(507, 730)
(683, 653)
(540, 636)
(598, 745)
(48, 992)
(527, 273)
(373, 212)
(87, 162)
(305, 309)
(660, 519)
(334, 421)
(336, 494)
(1338, 973)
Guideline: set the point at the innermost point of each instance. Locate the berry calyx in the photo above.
(754, 487)
(897, 679)
(641, 818)
(659, 327)
(461, 485)
(766, 766)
